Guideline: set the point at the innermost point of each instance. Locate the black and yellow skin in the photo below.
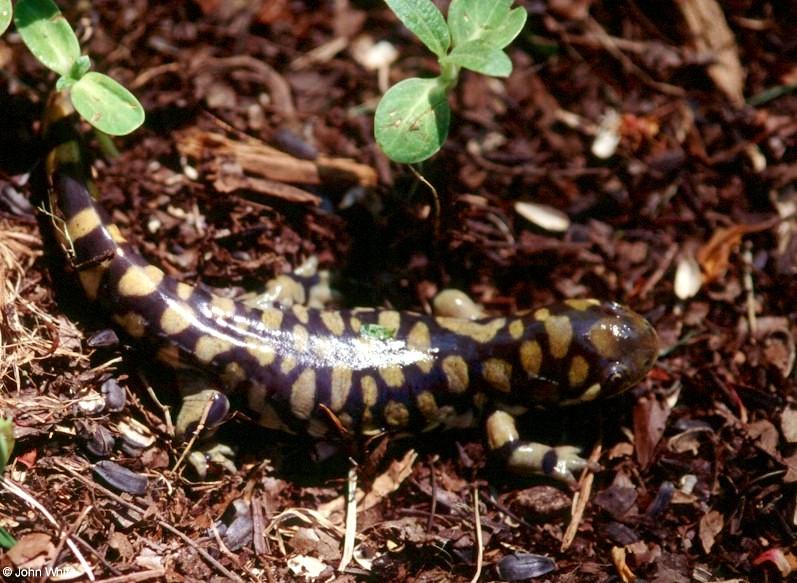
(324, 371)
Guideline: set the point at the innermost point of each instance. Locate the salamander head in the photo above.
(586, 350)
(623, 344)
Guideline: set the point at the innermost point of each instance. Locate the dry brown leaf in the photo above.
(33, 550)
(765, 434)
(650, 418)
(711, 34)
(710, 526)
(788, 424)
(623, 570)
(713, 256)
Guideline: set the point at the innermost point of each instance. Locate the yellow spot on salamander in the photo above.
(456, 370)
(208, 347)
(262, 353)
(132, 323)
(184, 291)
(83, 223)
(222, 306)
(560, 334)
(419, 339)
(301, 313)
(116, 234)
(542, 314)
(301, 338)
(531, 357)
(91, 278)
(154, 273)
(427, 405)
(334, 322)
(272, 318)
(303, 394)
(392, 375)
(233, 375)
(516, 329)
(176, 318)
(480, 331)
(370, 391)
(389, 319)
(579, 369)
(287, 364)
(603, 336)
(498, 373)
(582, 304)
(396, 414)
(341, 386)
(355, 324)
(137, 281)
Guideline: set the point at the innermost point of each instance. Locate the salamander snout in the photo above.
(628, 346)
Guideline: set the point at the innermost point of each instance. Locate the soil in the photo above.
(664, 132)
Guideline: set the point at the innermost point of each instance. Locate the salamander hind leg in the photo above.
(201, 412)
(528, 457)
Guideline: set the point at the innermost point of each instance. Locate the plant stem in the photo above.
(449, 74)
(106, 144)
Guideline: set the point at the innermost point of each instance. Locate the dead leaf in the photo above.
(766, 436)
(712, 36)
(650, 419)
(713, 256)
(33, 550)
(788, 424)
(710, 526)
(791, 469)
(623, 570)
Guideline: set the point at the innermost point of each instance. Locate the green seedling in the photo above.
(100, 100)
(6, 445)
(411, 121)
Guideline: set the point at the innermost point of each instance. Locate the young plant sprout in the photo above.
(411, 121)
(100, 100)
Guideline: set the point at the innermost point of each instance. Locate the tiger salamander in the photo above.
(320, 371)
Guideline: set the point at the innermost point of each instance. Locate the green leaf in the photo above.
(411, 120)
(6, 540)
(106, 105)
(5, 15)
(377, 331)
(425, 21)
(492, 22)
(6, 441)
(479, 56)
(47, 34)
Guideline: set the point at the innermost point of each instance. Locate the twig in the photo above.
(433, 509)
(749, 288)
(195, 435)
(351, 518)
(67, 534)
(140, 576)
(163, 524)
(16, 489)
(581, 498)
(479, 538)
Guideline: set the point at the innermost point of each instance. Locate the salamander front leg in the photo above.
(527, 457)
